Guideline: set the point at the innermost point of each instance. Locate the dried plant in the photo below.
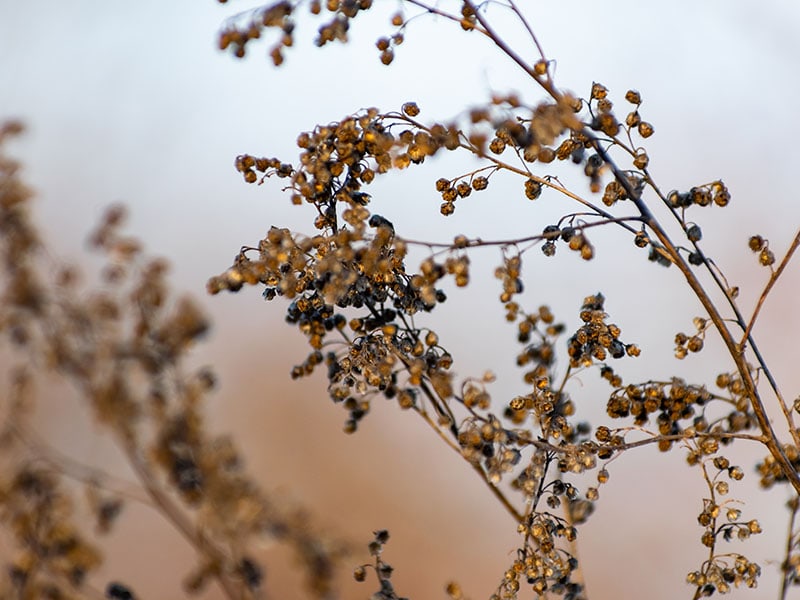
(354, 293)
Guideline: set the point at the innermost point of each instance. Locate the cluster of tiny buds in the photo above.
(604, 120)
(386, 44)
(671, 401)
(574, 237)
(721, 521)
(461, 187)
(691, 343)
(717, 576)
(733, 384)
(595, 340)
(490, 444)
(771, 472)
(541, 352)
(702, 195)
(609, 440)
(758, 244)
(541, 564)
(250, 166)
(510, 273)
(382, 570)
(634, 119)
(532, 133)
(278, 15)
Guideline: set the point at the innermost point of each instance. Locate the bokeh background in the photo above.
(133, 103)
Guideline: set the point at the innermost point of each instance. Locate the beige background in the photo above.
(131, 102)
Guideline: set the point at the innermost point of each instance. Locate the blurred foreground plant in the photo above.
(121, 346)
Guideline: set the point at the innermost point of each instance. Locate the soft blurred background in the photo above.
(133, 103)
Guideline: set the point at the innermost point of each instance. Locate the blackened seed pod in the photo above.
(694, 233)
(641, 240)
(593, 165)
(117, 591)
(551, 232)
(695, 259)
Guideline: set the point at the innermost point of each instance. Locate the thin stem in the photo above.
(437, 11)
(682, 437)
(77, 470)
(478, 243)
(794, 505)
(528, 27)
(506, 49)
(506, 503)
(179, 520)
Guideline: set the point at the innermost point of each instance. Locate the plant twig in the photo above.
(794, 505)
(496, 492)
(179, 520)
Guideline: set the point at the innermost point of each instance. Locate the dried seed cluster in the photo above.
(670, 402)
(489, 443)
(759, 245)
(540, 353)
(351, 280)
(703, 195)
(383, 570)
(573, 236)
(771, 472)
(542, 566)
(605, 121)
(684, 344)
(330, 275)
(596, 340)
(52, 558)
(718, 576)
(721, 521)
(235, 36)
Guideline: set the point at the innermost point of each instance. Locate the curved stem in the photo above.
(178, 518)
(505, 502)
(794, 505)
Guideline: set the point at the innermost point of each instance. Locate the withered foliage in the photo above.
(353, 292)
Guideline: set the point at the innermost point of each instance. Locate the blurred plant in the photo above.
(352, 294)
(121, 345)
